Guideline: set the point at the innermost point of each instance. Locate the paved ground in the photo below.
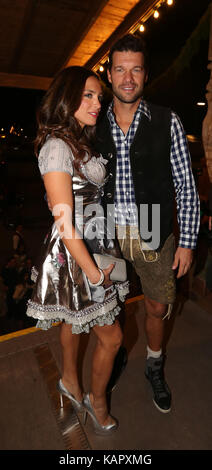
(28, 418)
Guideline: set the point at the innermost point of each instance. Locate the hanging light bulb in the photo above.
(142, 28)
(169, 2)
(101, 68)
(156, 14)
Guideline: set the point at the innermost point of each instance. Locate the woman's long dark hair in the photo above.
(55, 116)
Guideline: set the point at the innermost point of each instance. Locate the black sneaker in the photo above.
(154, 373)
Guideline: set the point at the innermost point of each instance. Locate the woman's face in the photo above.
(90, 105)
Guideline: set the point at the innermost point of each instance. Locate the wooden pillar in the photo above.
(207, 123)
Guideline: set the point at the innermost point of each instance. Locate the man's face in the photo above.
(127, 76)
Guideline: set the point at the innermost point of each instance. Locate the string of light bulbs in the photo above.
(138, 26)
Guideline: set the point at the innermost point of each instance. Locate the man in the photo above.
(149, 164)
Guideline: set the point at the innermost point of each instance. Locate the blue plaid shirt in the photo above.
(188, 207)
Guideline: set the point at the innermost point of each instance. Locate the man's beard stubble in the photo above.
(131, 100)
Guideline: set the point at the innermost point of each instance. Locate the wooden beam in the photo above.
(115, 19)
(24, 81)
(109, 19)
(140, 13)
(24, 32)
(85, 27)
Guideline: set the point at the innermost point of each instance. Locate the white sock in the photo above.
(154, 354)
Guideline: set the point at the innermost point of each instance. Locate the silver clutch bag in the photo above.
(119, 272)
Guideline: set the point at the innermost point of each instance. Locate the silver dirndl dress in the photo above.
(61, 291)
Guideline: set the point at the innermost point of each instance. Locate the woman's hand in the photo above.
(97, 276)
(107, 282)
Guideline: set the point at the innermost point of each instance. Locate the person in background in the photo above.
(18, 241)
(3, 298)
(21, 295)
(10, 278)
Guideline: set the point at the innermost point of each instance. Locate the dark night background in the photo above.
(180, 86)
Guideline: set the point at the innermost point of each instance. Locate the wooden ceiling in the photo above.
(39, 37)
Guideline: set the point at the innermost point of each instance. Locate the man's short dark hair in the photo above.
(129, 42)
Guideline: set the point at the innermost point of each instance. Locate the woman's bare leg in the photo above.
(70, 347)
(109, 339)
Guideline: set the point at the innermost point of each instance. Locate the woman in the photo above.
(69, 286)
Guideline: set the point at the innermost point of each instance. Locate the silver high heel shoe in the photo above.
(98, 428)
(77, 405)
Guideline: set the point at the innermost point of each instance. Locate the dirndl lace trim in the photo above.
(83, 320)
